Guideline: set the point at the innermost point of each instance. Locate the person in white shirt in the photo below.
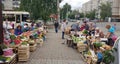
(63, 27)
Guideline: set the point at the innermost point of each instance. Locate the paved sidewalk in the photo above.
(53, 52)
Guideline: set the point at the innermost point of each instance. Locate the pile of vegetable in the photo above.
(85, 32)
(2, 58)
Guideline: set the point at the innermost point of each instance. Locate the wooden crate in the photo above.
(23, 53)
(82, 47)
(94, 61)
(33, 47)
(39, 42)
(69, 42)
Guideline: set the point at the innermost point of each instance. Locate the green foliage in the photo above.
(24, 43)
(75, 12)
(91, 14)
(75, 39)
(106, 10)
(3, 46)
(13, 37)
(97, 45)
(63, 12)
(85, 32)
(2, 6)
(81, 15)
(108, 57)
(39, 8)
(3, 58)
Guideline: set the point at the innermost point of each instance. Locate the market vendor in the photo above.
(111, 31)
(75, 27)
(91, 29)
(26, 28)
(99, 33)
(110, 35)
(86, 25)
(82, 27)
(18, 30)
(32, 27)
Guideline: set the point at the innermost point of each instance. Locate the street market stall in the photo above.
(93, 48)
(18, 48)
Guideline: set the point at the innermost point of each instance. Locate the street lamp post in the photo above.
(98, 16)
(1, 24)
(58, 10)
(31, 10)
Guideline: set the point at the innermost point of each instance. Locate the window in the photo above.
(16, 0)
(11, 17)
(15, 3)
(25, 17)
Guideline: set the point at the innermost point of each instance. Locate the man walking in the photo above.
(56, 24)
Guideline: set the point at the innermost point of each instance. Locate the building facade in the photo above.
(11, 4)
(116, 9)
(92, 5)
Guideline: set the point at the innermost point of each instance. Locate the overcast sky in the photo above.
(75, 4)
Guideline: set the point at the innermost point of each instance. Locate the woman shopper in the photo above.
(63, 27)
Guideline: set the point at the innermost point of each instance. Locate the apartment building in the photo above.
(11, 4)
(116, 9)
(92, 5)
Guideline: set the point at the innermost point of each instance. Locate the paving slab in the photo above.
(54, 52)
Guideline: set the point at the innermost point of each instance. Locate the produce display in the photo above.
(93, 48)
(24, 43)
(21, 44)
(85, 31)
(4, 59)
(97, 44)
(13, 37)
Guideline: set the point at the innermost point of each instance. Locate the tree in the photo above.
(64, 11)
(2, 6)
(91, 14)
(81, 15)
(106, 10)
(39, 9)
(74, 13)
